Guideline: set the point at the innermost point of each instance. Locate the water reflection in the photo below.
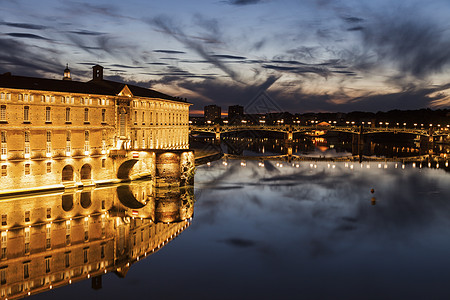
(49, 241)
(313, 230)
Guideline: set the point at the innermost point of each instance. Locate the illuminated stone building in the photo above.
(81, 235)
(57, 134)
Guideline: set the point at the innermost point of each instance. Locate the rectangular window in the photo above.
(4, 243)
(143, 118)
(27, 169)
(67, 114)
(27, 240)
(102, 251)
(47, 99)
(4, 218)
(3, 113)
(67, 232)
(67, 259)
(86, 142)
(49, 167)
(103, 222)
(49, 143)
(3, 275)
(103, 115)
(53, 99)
(48, 232)
(26, 113)
(47, 264)
(85, 255)
(49, 213)
(103, 163)
(27, 216)
(27, 144)
(86, 229)
(20, 97)
(26, 270)
(86, 115)
(63, 100)
(68, 146)
(4, 151)
(48, 114)
(2, 96)
(135, 117)
(4, 170)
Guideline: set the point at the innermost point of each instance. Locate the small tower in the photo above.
(97, 73)
(67, 73)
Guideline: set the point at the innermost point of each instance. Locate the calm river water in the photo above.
(308, 230)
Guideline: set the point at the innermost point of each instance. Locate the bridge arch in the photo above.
(124, 170)
(127, 198)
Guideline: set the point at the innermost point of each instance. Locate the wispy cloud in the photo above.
(24, 25)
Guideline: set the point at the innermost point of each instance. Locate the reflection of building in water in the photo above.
(81, 133)
(76, 236)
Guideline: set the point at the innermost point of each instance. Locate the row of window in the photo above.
(48, 165)
(48, 114)
(146, 104)
(162, 118)
(47, 261)
(54, 99)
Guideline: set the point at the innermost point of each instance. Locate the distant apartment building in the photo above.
(75, 133)
(212, 113)
(235, 114)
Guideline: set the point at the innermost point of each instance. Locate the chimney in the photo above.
(97, 73)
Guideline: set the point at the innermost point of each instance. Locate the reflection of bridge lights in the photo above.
(261, 164)
(351, 167)
(403, 166)
(446, 163)
(225, 163)
(243, 163)
(208, 163)
(429, 165)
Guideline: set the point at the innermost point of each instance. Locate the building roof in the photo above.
(96, 87)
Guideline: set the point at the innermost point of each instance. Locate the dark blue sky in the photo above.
(312, 55)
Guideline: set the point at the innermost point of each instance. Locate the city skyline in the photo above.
(310, 56)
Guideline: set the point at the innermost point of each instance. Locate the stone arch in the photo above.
(67, 202)
(86, 172)
(85, 199)
(124, 170)
(127, 198)
(67, 173)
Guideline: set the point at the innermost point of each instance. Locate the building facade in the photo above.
(212, 113)
(235, 114)
(67, 132)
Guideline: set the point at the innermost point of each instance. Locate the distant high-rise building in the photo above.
(235, 113)
(212, 113)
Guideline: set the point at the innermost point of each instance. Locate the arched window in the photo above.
(67, 202)
(67, 173)
(85, 199)
(85, 172)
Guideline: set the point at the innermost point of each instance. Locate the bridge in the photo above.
(432, 160)
(314, 130)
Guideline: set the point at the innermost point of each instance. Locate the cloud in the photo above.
(27, 36)
(169, 51)
(240, 243)
(244, 2)
(24, 25)
(168, 27)
(229, 56)
(86, 32)
(415, 44)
